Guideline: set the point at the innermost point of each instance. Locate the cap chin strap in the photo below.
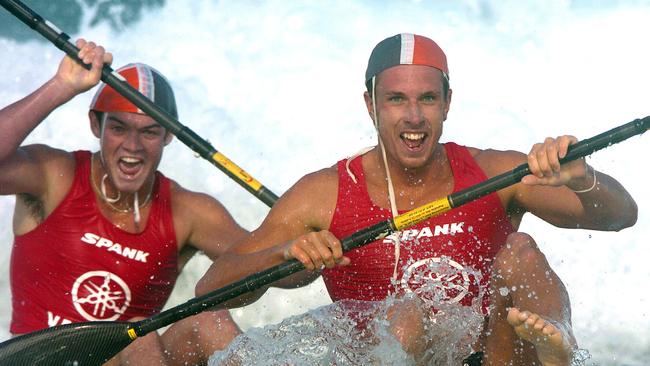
(389, 181)
(136, 201)
(349, 160)
(102, 186)
(136, 209)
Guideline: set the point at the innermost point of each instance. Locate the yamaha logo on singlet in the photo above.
(100, 295)
(441, 280)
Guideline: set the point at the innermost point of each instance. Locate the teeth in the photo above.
(130, 160)
(413, 136)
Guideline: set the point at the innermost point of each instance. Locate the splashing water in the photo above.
(330, 335)
(353, 332)
(426, 311)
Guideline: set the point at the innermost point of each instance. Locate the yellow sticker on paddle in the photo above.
(236, 171)
(132, 334)
(421, 213)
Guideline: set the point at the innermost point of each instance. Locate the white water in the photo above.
(353, 332)
(277, 87)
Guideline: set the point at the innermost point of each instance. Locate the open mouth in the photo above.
(129, 166)
(413, 140)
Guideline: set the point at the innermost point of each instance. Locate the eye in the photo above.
(396, 98)
(116, 128)
(428, 98)
(151, 132)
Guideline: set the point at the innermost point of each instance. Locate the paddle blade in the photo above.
(71, 344)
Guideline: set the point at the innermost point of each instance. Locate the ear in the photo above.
(168, 137)
(95, 124)
(368, 99)
(447, 105)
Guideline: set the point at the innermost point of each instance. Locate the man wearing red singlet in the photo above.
(104, 235)
(408, 98)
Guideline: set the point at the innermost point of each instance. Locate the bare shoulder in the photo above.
(494, 162)
(48, 158)
(40, 177)
(201, 221)
(39, 170)
(307, 206)
(186, 202)
(47, 152)
(313, 193)
(323, 182)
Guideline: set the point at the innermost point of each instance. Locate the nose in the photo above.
(132, 141)
(414, 113)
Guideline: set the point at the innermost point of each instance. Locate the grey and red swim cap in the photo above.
(406, 49)
(147, 80)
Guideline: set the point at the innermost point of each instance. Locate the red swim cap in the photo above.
(406, 49)
(149, 81)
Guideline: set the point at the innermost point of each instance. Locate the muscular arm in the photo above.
(306, 208)
(606, 207)
(22, 169)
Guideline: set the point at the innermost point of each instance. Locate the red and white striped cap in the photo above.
(406, 49)
(147, 80)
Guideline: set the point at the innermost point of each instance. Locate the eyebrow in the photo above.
(399, 93)
(432, 92)
(153, 125)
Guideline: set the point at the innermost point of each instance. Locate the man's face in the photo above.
(411, 107)
(132, 146)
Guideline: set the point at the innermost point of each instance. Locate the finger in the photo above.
(304, 258)
(542, 159)
(80, 45)
(324, 248)
(310, 246)
(335, 246)
(89, 51)
(323, 251)
(97, 63)
(564, 143)
(84, 52)
(108, 58)
(552, 155)
(533, 165)
(298, 251)
(344, 261)
(294, 251)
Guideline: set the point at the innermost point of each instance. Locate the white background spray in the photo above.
(277, 87)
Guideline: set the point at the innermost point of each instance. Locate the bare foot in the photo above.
(553, 345)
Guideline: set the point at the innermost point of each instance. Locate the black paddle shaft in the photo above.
(581, 149)
(113, 79)
(382, 229)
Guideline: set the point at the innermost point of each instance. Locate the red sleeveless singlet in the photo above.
(455, 244)
(76, 266)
